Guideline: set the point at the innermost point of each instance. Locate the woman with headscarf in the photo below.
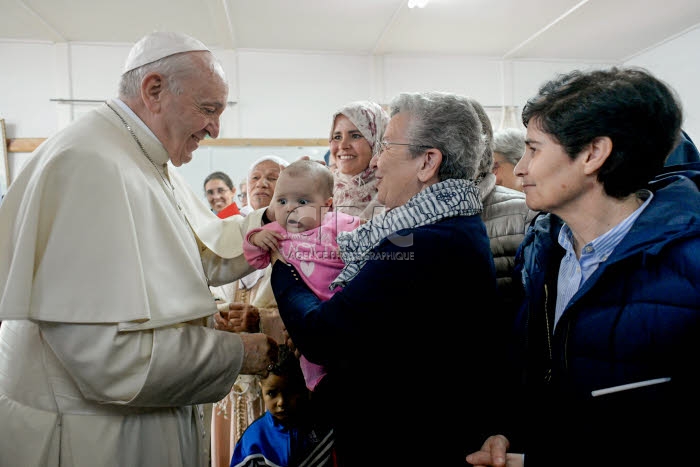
(356, 128)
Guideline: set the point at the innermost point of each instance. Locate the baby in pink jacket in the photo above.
(304, 232)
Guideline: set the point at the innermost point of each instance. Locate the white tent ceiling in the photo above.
(588, 30)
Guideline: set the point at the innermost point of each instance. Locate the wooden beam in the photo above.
(30, 144)
(300, 142)
(23, 144)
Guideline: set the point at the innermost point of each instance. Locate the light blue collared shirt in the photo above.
(573, 272)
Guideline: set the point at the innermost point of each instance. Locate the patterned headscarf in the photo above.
(356, 195)
(370, 118)
(448, 198)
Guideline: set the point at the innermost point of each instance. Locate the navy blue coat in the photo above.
(637, 318)
(685, 152)
(401, 343)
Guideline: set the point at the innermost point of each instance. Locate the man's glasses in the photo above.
(242, 196)
(384, 145)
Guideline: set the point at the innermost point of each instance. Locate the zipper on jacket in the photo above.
(548, 372)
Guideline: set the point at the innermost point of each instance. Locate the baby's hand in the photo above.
(266, 240)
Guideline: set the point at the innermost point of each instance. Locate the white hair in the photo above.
(272, 158)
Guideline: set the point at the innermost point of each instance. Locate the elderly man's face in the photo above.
(397, 171)
(187, 118)
(262, 180)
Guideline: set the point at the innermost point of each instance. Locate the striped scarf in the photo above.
(442, 200)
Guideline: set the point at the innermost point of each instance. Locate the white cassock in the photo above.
(103, 286)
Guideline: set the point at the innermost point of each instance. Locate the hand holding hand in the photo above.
(260, 351)
(237, 317)
(493, 454)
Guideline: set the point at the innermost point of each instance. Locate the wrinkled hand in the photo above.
(493, 454)
(237, 317)
(260, 351)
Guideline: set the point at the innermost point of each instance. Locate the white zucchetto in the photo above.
(159, 45)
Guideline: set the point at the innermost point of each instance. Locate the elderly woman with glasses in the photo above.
(406, 319)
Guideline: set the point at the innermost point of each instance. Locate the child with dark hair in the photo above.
(284, 435)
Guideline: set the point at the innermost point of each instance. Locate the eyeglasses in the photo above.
(242, 196)
(384, 145)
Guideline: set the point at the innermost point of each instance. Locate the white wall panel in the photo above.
(292, 95)
(678, 63)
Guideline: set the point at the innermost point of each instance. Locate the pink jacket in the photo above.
(313, 253)
(316, 257)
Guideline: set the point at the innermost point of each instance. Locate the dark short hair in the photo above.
(219, 176)
(640, 114)
(288, 366)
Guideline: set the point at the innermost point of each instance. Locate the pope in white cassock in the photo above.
(106, 258)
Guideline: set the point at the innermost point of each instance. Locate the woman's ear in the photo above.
(430, 165)
(599, 150)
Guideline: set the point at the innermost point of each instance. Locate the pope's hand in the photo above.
(260, 351)
(237, 317)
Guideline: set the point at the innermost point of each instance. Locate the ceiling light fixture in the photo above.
(417, 3)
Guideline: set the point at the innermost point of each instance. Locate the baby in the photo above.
(304, 233)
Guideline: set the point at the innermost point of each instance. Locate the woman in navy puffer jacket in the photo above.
(607, 339)
(635, 319)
